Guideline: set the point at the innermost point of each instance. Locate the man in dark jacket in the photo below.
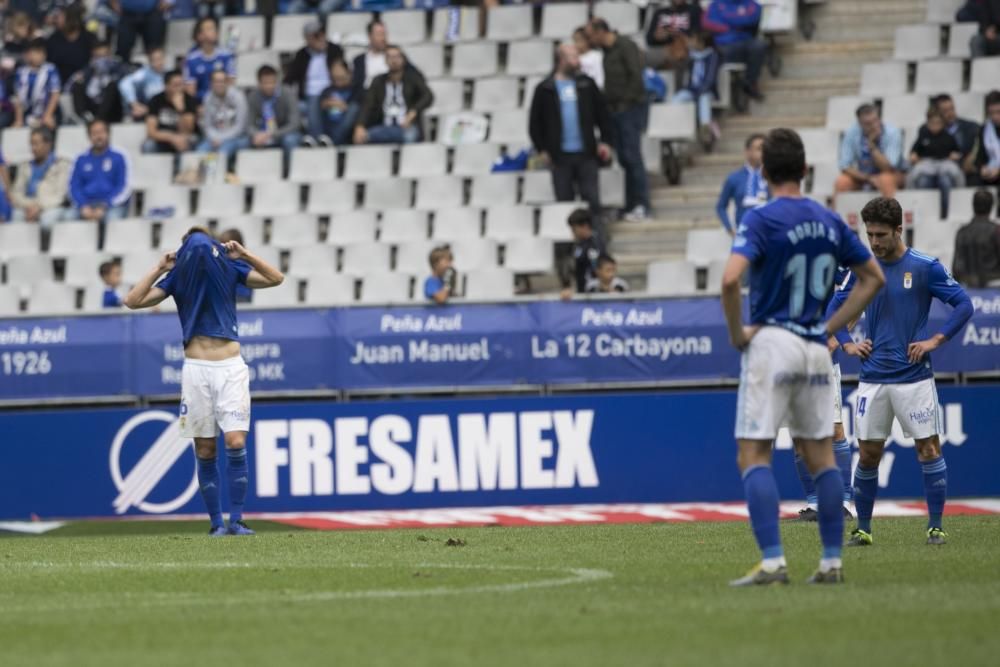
(977, 245)
(566, 109)
(310, 72)
(966, 133)
(373, 62)
(987, 41)
(394, 104)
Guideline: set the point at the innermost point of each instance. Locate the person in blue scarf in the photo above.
(746, 187)
(41, 185)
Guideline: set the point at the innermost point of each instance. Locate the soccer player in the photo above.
(896, 375)
(202, 276)
(792, 247)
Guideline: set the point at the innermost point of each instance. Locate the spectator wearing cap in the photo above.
(606, 280)
(977, 245)
(988, 157)
(441, 284)
(273, 114)
(139, 87)
(986, 42)
(966, 133)
(207, 58)
(746, 188)
(735, 24)
(309, 71)
(871, 155)
(42, 184)
(394, 105)
(934, 160)
(141, 17)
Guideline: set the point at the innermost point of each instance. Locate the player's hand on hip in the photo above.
(862, 349)
(916, 351)
(234, 250)
(746, 335)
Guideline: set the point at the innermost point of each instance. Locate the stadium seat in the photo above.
(985, 74)
(129, 137)
(919, 205)
(71, 141)
(362, 259)
(137, 263)
(939, 76)
(468, 24)
(917, 42)
(621, 16)
(403, 225)
(248, 32)
(848, 206)
(294, 230)
(313, 165)
(970, 105)
(123, 236)
(612, 187)
(261, 165)
(552, 221)
(368, 162)
(905, 111)
(178, 40)
(412, 257)
(389, 193)
(248, 64)
(332, 197)
(508, 223)
(84, 269)
(671, 278)
(217, 201)
(29, 269)
(150, 169)
(351, 227)
(334, 290)
(457, 223)
(286, 32)
(886, 78)
(936, 238)
(276, 198)
(489, 284)
(343, 25)
(529, 255)
(15, 143)
(509, 23)
(713, 282)
(496, 94)
(312, 260)
(960, 205)
(538, 187)
(474, 253)
(494, 190)
(20, 238)
(443, 191)
(672, 121)
(823, 176)
(474, 60)
(428, 58)
(73, 238)
(10, 300)
(943, 11)
(510, 128)
(449, 96)
(285, 294)
(474, 159)
(560, 20)
(959, 36)
(407, 26)
(423, 159)
(166, 201)
(821, 144)
(52, 298)
(707, 245)
(386, 288)
(532, 57)
(840, 110)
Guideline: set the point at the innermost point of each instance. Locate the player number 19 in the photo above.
(820, 279)
(26, 363)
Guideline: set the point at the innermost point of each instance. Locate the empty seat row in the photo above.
(924, 41)
(932, 77)
(680, 277)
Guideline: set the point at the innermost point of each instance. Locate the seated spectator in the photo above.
(111, 276)
(201, 62)
(41, 185)
(746, 187)
(441, 284)
(987, 41)
(99, 185)
(95, 88)
(700, 84)
(273, 114)
(966, 133)
(606, 280)
(340, 109)
(988, 157)
(19, 32)
(735, 24)
(309, 71)
(171, 124)
(36, 101)
(6, 213)
(243, 293)
(977, 245)
(871, 155)
(934, 160)
(591, 59)
(394, 104)
(321, 7)
(141, 86)
(372, 62)
(667, 37)
(223, 119)
(70, 46)
(587, 248)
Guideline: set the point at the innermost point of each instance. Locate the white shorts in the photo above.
(214, 395)
(784, 379)
(915, 405)
(838, 407)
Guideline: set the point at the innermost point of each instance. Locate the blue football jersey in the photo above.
(794, 247)
(203, 283)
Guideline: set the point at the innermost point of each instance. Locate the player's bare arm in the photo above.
(870, 280)
(732, 302)
(144, 294)
(263, 274)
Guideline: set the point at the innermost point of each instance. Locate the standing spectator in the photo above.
(591, 59)
(977, 245)
(111, 276)
(966, 133)
(273, 114)
(871, 155)
(606, 280)
(625, 93)
(700, 84)
(171, 124)
(243, 293)
(988, 157)
(934, 160)
(141, 17)
(735, 24)
(99, 184)
(746, 187)
(587, 248)
(440, 285)
(223, 119)
(566, 109)
(669, 31)
(41, 185)
(310, 72)
(394, 104)
(321, 7)
(141, 86)
(69, 48)
(340, 109)
(95, 88)
(36, 101)
(372, 62)
(987, 41)
(207, 58)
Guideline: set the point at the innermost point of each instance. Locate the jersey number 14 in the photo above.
(818, 278)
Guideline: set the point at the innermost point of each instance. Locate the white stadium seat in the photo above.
(28, 269)
(248, 63)
(821, 145)
(428, 58)
(672, 121)
(707, 245)
(73, 238)
(509, 223)
(285, 294)
(457, 223)
(51, 298)
(84, 269)
(442, 191)
(71, 141)
(905, 111)
(351, 227)
(449, 96)
(467, 24)
(402, 225)
(840, 110)
(552, 221)
(386, 288)
(474, 60)
(489, 284)
(294, 230)
(509, 22)
(332, 290)
(885, 78)
(368, 162)
(248, 32)
(286, 32)
(943, 11)
(959, 37)
(476, 253)
(495, 94)
(671, 278)
(123, 236)
(259, 166)
(917, 42)
(939, 76)
(341, 25)
(332, 197)
(178, 40)
(538, 187)
(529, 256)
(474, 159)
(166, 201)
(129, 137)
(494, 190)
(536, 56)
(313, 165)
(621, 16)
(389, 193)
(276, 198)
(412, 257)
(312, 260)
(251, 227)
(150, 169)
(970, 105)
(362, 259)
(960, 204)
(16, 144)
(405, 26)
(985, 74)
(137, 263)
(561, 19)
(10, 300)
(216, 201)
(20, 238)
(510, 128)
(424, 159)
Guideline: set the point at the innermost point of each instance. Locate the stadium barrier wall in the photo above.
(327, 456)
(456, 346)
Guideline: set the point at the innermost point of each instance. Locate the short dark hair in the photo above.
(597, 23)
(883, 211)
(752, 138)
(266, 70)
(439, 253)
(982, 202)
(784, 156)
(106, 267)
(937, 100)
(96, 121)
(101, 44)
(197, 229)
(170, 75)
(200, 22)
(395, 47)
(36, 44)
(605, 258)
(934, 112)
(865, 109)
(45, 133)
(371, 25)
(580, 218)
(993, 97)
(232, 234)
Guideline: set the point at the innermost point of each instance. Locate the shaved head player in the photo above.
(202, 276)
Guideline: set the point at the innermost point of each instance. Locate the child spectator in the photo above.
(207, 58)
(95, 88)
(36, 101)
(935, 156)
(700, 85)
(591, 59)
(340, 109)
(606, 280)
(111, 276)
(41, 184)
(440, 285)
(142, 85)
(586, 250)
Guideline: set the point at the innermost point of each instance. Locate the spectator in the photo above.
(6, 213)
(36, 101)
(218, 8)
(99, 185)
(606, 280)
(934, 160)
(372, 62)
(987, 41)
(746, 187)
(988, 157)
(207, 58)
(587, 248)
(735, 24)
(967, 13)
(69, 48)
(321, 7)
(340, 109)
(625, 93)
(111, 276)
(977, 245)
(141, 86)
(19, 32)
(95, 88)
(273, 114)
(566, 109)
(871, 155)
(394, 104)
(966, 133)
(243, 293)
(700, 84)
(41, 185)
(171, 124)
(591, 59)
(310, 72)
(440, 285)
(223, 119)
(669, 30)
(141, 17)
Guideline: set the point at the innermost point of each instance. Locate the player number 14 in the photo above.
(820, 279)
(25, 363)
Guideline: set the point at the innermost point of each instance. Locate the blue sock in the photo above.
(208, 482)
(807, 480)
(865, 490)
(829, 491)
(238, 476)
(936, 489)
(842, 452)
(762, 501)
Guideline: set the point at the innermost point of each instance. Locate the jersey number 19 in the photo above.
(819, 279)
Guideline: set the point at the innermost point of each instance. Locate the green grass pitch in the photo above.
(109, 594)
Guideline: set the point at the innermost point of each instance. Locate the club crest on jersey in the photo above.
(907, 280)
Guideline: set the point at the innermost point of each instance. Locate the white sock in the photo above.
(827, 564)
(772, 564)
